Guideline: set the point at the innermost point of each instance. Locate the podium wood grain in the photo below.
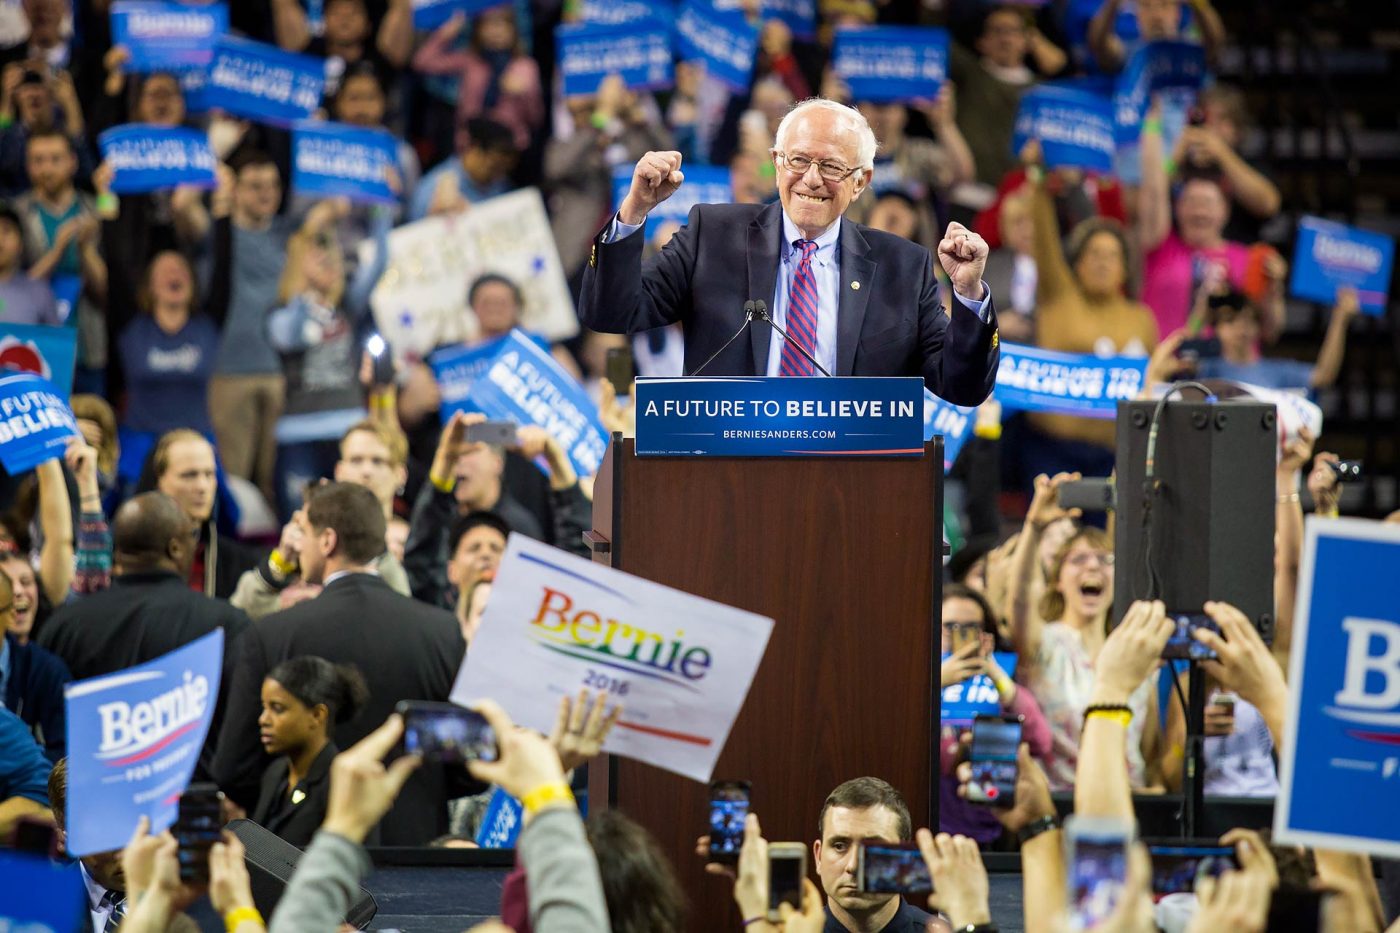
(845, 555)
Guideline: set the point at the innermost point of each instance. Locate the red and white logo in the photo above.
(24, 356)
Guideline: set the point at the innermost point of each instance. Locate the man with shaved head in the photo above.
(149, 610)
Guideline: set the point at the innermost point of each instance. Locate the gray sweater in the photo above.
(566, 891)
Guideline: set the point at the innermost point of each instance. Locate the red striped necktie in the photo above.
(801, 315)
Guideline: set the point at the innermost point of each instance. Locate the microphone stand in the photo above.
(761, 308)
(750, 315)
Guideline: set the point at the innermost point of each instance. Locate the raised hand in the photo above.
(964, 257)
(656, 178)
(362, 787)
(962, 664)
(582, 727)
(1131, 652)
(1045, 502)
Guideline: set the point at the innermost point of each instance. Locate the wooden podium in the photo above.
(845, 553)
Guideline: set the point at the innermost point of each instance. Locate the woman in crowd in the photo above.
(318, 332)
(965, 610)
(303, 699)
(496, 78)
(1083, 304)
(1058, 640)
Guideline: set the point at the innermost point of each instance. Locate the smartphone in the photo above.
(35, 835)
(729, 807)
(892, 868)
(1182, 643)
(787, 866)
(1178, 864)
(621, 369)
(1226, 700)
(1097, 853)
(1091, 495)
(1199, 348)
(962, 633)
(995, 740)
(1346, 470)
(446, 733)
(383, 360)
(496, 433)
(198, 825)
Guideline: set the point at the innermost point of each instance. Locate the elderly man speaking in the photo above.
(859, 301)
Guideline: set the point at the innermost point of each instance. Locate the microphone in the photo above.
(749, 315)
(761, 309)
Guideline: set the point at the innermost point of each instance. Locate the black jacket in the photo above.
(295, 815)
(34, 693)
(142, 616)
(405, 649)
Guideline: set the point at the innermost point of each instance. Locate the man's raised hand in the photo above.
(964, 257)
(656, 178)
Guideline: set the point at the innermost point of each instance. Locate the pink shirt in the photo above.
(1171, 273)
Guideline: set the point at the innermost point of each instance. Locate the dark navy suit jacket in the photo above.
(891, 325)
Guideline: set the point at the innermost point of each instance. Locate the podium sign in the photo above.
(760, 416)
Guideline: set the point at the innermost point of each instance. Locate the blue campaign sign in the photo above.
(133, 740)
(892, 63)
(639, 52)
(761, 416)
(500, 824)
(954, 422)
(146, 158)
(430, 14)
(35, 421)
(1329, 255)
(723, 39)
(976, 696)
(164, 36)
(49, 352)
(800, 16)
(617, 12)
(456, 368)
(1155, 66)
(1074, 127)
(522, 383)
(335, 159)
(1342, 739)
(1033, 379)
(40, 895)
(263, 83)
(704, 184)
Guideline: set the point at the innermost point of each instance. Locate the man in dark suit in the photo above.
(407, 650)
(862, 302)
(149, 610)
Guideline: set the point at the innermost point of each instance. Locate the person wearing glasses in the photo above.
(1058, 641)
(858, 301)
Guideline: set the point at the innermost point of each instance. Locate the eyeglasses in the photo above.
(1085, 558)
(798, 165)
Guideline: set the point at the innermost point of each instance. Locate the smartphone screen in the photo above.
(198, 825)
(1182, 644)
(1098, 872)
(1176, 867)
(729, 807)
(500, 433)
(787, 863)
(621, 370)
(444, 732)
(892, 868)
(995, 740)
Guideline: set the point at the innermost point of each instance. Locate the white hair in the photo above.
(852, 119)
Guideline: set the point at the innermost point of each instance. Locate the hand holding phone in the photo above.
(495, 433)
(787, 868)
(446, 733)
(1179, 865)
(1098, 867)
(730, 802)
(1182, 644)
(892, 868)
(198, 825)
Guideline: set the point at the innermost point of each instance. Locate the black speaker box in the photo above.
(1210, 521)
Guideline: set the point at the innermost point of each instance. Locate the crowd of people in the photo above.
(222, 376)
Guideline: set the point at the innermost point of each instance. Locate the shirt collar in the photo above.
(346, 573)
(95, 891)
(826, 243)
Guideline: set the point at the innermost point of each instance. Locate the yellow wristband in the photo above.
(991, 432)
(546, 794)
(442, 485)
(239, 915)
(281, 564)
(1120, 716)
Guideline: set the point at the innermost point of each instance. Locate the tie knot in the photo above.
(805, 247)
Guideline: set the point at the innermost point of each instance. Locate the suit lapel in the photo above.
(764, 233)
(857, 278)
